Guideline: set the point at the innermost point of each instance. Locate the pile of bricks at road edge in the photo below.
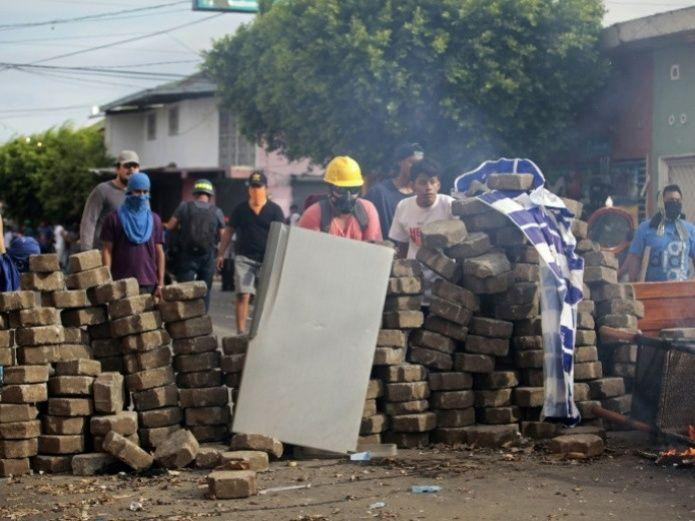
(472, 370)
(202, 396)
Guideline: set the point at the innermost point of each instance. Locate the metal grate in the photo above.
(677, 402)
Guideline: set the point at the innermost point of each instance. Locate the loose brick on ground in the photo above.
(254, 460)
(152, 438)
(92, 463)
(227, 484)
(127, 451)
(14, 467)
(492, 436)
(178, 450)
(588, 445)
(267, 444)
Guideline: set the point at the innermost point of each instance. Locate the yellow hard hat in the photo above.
(343, 171)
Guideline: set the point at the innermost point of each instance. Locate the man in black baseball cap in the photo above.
(251, 222)
(388, 193)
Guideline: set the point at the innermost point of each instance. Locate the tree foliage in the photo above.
(47, 176)
(468, 79)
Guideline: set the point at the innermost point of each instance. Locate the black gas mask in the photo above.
(673, 209)
(343, 199)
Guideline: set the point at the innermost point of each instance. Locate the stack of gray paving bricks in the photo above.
(202, 395)
(109, 414)
(403, 408)
(64, 427)
(25, 388)
(374, 421)
(147, 363)
(234, 354)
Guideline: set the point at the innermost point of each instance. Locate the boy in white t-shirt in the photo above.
(426, 206)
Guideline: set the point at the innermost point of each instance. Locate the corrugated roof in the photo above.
(195, 86)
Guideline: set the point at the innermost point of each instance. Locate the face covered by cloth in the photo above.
(135, 214)
(673, 210)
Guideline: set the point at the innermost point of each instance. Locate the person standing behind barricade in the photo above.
(251, 222)
(133, 238)
(388, 193)
(343, 213)
(200, 227)
(105, 198)
(426, 206)
(663, 245)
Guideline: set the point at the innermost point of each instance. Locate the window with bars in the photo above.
(151, 126)
(235, 150)
(173, 121)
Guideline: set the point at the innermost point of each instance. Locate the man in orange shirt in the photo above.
(343, 213)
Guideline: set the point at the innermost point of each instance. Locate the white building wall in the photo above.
(195, 145)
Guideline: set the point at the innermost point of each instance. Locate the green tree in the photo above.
(48, 176)
(469, 79)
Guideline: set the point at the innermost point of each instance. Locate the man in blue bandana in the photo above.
(133, 238)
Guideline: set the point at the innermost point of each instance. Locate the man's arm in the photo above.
(633, 266)
(225, 237)
(107, 254)
(161, 267)
(90, 216)
(172, 223)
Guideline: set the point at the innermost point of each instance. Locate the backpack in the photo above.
(198, 228)
(327, 215)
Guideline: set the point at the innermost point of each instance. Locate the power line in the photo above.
(90, 17)
(94, 70)
(128, 40)
(41, 109)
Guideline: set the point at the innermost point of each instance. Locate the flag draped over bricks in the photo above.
(546, 223)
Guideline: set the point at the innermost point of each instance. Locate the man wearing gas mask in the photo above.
(664, 244)
(343, 213)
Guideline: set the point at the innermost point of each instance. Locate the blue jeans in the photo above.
(200, 266)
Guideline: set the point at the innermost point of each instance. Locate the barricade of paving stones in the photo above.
(197, 361)
(471, 370)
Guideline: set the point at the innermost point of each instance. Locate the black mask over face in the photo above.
(343, 199)
(673, 210)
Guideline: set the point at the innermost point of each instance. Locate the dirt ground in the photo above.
(510, 484)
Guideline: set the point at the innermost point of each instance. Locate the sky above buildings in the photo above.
(160, 42)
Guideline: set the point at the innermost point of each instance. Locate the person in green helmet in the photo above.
(199, 224)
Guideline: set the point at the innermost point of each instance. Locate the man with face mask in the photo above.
(343, 213)
(133, 238)
(251, 222)
(668, 240)
(105, 198)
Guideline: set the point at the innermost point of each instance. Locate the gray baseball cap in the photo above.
(127, 156)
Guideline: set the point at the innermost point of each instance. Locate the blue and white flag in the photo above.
(546, 223)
